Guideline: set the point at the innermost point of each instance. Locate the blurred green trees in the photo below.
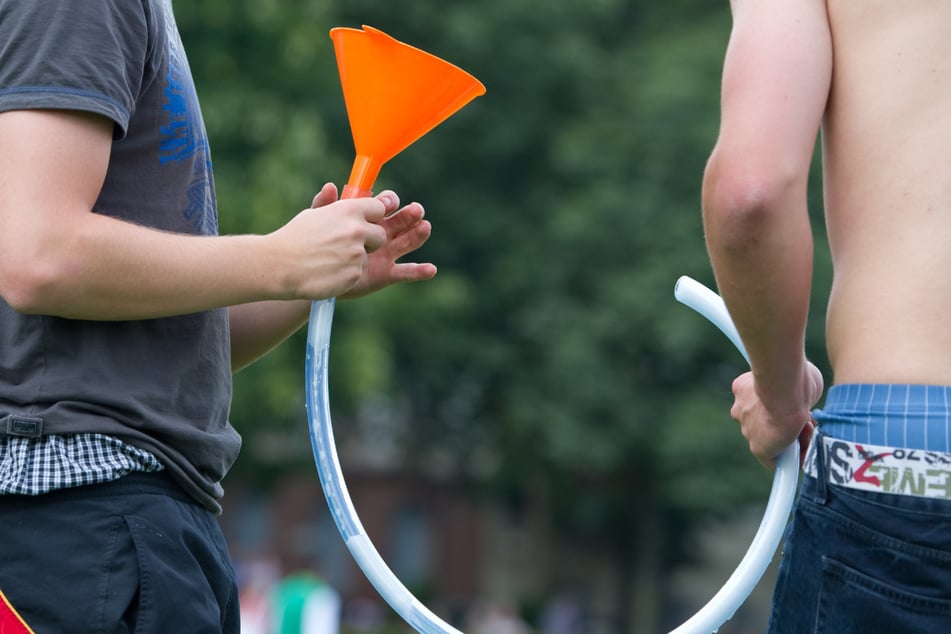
(548, 356)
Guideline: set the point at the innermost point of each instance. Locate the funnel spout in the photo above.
(362, 176)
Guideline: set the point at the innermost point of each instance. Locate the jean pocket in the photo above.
(851, 601)
(179, 589)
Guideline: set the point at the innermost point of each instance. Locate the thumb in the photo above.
(326, 196)
(805, 437)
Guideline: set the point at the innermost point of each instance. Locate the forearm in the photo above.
(761, 250)
(58, 257)
(259, 327)
(97, 267)
(776, 81)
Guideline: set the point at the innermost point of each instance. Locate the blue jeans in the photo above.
(863, 562)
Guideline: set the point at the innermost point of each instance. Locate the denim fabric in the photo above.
(863, 562)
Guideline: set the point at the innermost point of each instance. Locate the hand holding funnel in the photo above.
(394, 94)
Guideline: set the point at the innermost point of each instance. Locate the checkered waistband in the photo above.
(881, 469)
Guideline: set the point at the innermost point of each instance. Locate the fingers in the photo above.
(399, 220)
(412, 272)
(404, 229)
(374, 235)
(767, 432)
(817, 383)
(404, 219)
(350, 246)
(326, 196)
(371, 208)
(805, 437)
(390, 200)
(387, 233)
(396, 221)
(375, 238)
(399, 244)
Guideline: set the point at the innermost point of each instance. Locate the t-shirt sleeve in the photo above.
(85, 55)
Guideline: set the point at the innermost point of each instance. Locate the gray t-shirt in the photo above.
(163, 385)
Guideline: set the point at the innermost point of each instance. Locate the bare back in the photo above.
(887, 178)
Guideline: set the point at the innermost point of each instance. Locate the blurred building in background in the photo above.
(482, 564)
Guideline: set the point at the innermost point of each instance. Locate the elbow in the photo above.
(29, 286)
(23, 293)
(741, 198)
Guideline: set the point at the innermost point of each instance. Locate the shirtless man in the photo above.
(870, 543)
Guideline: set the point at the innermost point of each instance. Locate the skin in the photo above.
(869, 75)
(58, 257)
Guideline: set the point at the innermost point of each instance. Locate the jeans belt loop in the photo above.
(822, 466)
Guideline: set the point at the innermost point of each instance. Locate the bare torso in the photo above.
(887, 178)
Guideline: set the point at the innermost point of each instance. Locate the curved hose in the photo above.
(335, 489)
(738, 587)
(708, 619)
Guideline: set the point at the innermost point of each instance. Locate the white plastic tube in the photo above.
(741, 583)
(335, 489)
(708, 619)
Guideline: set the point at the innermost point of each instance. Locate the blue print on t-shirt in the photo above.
(184, 138)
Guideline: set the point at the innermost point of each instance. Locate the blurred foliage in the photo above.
(549, 352)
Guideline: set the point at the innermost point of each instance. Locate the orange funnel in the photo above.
(394, 94)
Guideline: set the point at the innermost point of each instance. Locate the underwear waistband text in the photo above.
(893, 470)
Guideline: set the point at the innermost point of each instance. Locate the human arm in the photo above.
(58, 257)
(775, 86)
(258, 327)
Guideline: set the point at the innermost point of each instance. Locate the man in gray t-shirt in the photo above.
(122, 311)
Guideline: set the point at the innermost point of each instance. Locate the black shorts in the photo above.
(133, 555)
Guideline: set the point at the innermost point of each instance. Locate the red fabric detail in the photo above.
(10, 621)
